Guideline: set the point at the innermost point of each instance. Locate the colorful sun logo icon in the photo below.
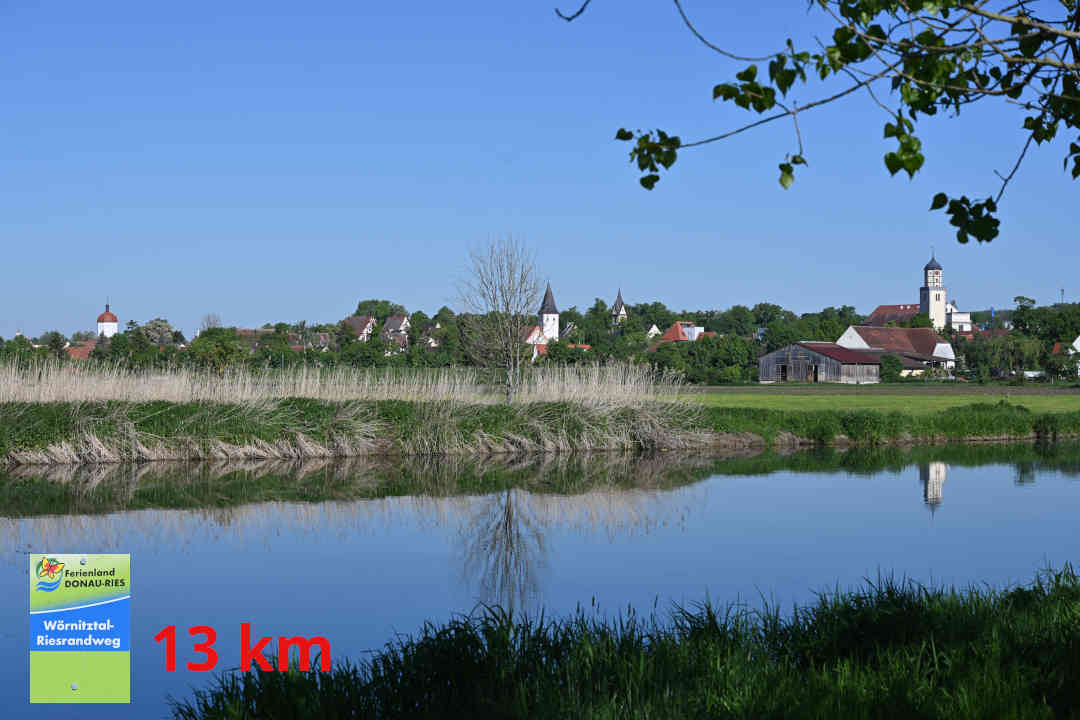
(53, 570)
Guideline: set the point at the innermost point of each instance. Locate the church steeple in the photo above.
(549, 316)
(618, 310)
(547, 307)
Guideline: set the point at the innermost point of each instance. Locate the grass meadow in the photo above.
(905, 398)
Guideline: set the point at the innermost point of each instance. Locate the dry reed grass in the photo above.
(589, 385)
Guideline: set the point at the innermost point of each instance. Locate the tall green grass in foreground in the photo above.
(889, 650)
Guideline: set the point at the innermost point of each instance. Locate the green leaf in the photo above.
(748, 74)
(649, 181)
(893, 163)
(787, 175)
(798, 160)
(624, 134)
(725, 90)
(939, 201)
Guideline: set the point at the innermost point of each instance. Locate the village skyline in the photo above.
(309, 169)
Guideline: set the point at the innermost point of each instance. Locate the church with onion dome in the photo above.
(107, 323)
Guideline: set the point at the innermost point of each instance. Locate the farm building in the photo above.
(820, 362)
(922, 345)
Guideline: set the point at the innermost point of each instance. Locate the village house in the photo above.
(396, 333)
(682, 331)
(362, 325)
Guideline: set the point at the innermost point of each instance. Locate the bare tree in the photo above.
(501, 292)
(210, 320)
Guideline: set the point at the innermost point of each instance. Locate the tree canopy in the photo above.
(913, 58)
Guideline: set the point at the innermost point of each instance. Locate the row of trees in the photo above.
(1030, 345)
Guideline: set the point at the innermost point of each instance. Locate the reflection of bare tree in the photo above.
(505, 550)
(1025, 473)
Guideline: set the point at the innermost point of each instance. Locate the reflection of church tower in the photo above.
(932, 475)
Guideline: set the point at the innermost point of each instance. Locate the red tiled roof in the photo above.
(81, 351)
(892, 314)
(843, 354)
(107, 317)
(918, 341)
(677, 333)
(972, 334)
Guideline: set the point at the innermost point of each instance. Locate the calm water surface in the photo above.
(357, 554)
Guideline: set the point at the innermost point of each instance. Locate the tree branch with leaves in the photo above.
(934, 56)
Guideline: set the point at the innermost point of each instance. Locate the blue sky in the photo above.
(270, 161)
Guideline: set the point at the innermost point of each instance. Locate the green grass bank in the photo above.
(298, 428)
(891, 649)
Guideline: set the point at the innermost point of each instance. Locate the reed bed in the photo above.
(590, 385)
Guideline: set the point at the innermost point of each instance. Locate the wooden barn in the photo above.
(820, 362)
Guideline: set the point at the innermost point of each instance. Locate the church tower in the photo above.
(932, 294)
(549, 317)
(107, 323)
(618, 310)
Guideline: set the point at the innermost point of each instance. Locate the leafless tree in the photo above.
(210, 320)
(500, 293)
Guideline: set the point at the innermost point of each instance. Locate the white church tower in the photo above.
(549, 318)
(107, 323)
(932, 294)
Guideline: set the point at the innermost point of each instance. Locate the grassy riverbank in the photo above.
(888, 650)
(299, 428)
(72, 414)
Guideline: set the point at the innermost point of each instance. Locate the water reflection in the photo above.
(932, 477)
(499, 514)
(504, 550)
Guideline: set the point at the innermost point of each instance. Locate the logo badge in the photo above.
(50, 573)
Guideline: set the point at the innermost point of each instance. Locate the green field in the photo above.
(908, 399)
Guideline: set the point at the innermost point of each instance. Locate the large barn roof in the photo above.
(842, 354)
(917, 341)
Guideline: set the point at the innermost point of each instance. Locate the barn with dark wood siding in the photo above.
(820, 362)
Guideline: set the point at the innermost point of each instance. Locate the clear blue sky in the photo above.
(280, 161)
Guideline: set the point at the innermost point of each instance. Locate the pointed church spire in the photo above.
(548, 306)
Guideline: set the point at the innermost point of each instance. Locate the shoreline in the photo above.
(49, 434)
